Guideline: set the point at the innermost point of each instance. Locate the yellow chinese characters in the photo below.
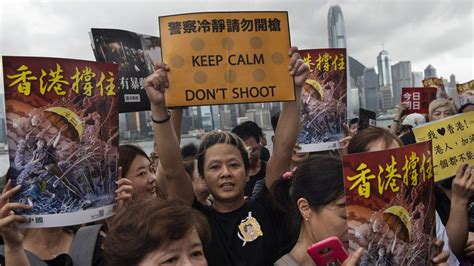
(389, 178)
(83, 81)
(326, 62)
(23, 80)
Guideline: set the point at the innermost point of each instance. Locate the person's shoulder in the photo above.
(286, 260)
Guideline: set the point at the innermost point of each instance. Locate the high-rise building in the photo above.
(430, 72)
(417, 79)
(401, 77)
(452, 81)
(385, 80)
(370, 83)
(337, 39)
(336, 29)
(384, 70)
(386, 98)
(226, 119)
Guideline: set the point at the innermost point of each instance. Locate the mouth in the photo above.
(227, 186)
(151, 190)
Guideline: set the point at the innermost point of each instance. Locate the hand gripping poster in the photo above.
(391, 205)
(324, 100)
(62, 127)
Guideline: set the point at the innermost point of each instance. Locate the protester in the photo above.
(395, 126)
(189, 154)
(455, 233)
(249, 133)
(314, 195)
(152, 232)
(353, 126)
(439, 109)
(245, 232)
(411, 121)
(137, 167)
(467, 107)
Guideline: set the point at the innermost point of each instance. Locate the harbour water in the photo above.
(147, 146)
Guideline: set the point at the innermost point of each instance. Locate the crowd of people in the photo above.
(229, 201)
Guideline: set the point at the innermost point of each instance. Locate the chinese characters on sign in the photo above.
(53, 81)
(418, 99)
(226, 57)
(223, 25)
(453, 143)
(326, 62)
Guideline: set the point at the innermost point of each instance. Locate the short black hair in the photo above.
(248, 130)
(354, 121)
(189, 151)
(274, 120)
(464, 106)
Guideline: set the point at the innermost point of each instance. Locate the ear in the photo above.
(273, 139)
(304, 208)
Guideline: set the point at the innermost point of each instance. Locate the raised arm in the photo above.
(287, 130)
(171, 165)
(396, 121)
(457, 226)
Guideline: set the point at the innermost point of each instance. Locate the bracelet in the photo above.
(396, 121)
(162, 121)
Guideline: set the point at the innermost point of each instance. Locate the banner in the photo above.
(136, 54)
(324, 100)
(227, 57)
(62, 131)
(466, 92)
(438, 84)
(391, 205)
(418, 99)
(453, 143)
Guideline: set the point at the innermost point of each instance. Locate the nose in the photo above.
(225, 172)
(186, 261)
(151, 178)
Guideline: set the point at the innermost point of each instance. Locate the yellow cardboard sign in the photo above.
(226, 57)
(453, 143)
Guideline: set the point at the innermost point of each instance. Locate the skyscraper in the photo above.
(371, 89)
(337, 39)
(336, 29)
(401, 77)
(385, 74)
(417, 79)
(430, 72)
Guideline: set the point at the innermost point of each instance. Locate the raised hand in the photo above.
(297, 68)
(12, 234)
(156, 84)
(124, 190)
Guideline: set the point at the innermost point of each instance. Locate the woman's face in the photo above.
(186, 251)
(441, 112)
(329, 221)
(142, 175)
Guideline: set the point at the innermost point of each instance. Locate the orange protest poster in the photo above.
(226, 57)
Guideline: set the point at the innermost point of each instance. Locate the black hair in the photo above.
(127, 154)
(464, 106)
(274, 120)
(189, 151)
(247, 130)
(353, 121)
(319, 180)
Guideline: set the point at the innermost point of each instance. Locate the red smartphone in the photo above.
(330, 251)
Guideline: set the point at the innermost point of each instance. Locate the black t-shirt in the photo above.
(264, 154)
(253, 179)
(253, 235)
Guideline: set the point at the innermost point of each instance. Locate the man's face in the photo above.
(253, 149)
(224, 172)
(354, 128)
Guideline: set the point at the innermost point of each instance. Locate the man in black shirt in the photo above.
(244, 231)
